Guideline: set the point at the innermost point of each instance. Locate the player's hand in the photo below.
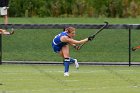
(77, 47)
(90, 38)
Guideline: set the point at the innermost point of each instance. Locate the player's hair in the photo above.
(64, 29)
(70, 29)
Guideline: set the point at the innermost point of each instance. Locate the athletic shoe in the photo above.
(66, 74)
(12, 32)
(133, 49)
(76, 64)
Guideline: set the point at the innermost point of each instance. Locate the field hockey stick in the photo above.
(104, 26)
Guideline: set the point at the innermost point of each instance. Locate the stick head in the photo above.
(106, 22)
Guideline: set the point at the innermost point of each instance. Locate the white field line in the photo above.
(61, 71)
(67, 89)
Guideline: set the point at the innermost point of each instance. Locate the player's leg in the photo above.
(72, 60)
(5, 19)
(65, 54)
(67, 60)
(63, 51)
(135, 48)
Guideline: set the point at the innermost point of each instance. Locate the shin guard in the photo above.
(66, 64)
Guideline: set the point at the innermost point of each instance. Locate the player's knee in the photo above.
(66, 59)
(72, 60)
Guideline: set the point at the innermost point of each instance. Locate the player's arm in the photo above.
(72, 44)
(75, 46)
(72, 41)
(2, 30)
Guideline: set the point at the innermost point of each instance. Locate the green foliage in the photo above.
(74, 8)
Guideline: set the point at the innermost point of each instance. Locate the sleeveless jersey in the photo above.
(57, 44)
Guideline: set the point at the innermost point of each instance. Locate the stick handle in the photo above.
(106, 24)
(82, 45)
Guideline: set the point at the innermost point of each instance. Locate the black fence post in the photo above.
(129, 46)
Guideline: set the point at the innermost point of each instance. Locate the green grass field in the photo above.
(82, 20)
(50, 79)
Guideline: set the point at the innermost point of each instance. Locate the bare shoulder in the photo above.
(66, 39)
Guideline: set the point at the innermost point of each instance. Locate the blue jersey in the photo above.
(57, 44)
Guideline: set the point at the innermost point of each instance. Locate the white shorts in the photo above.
(3, 10)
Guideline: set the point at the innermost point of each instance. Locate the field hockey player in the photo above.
(60, 45)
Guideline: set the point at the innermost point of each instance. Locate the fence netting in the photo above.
(34, 45)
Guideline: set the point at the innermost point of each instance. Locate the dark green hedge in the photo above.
(74, 8)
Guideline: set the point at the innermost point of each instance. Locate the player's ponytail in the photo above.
(70, 29)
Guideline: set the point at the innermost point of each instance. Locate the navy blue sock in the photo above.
(66, 64)
(72, 60)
